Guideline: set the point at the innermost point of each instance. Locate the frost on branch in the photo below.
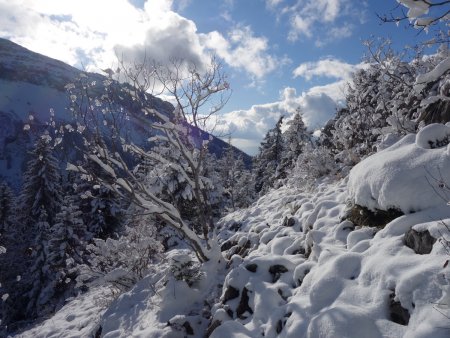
(172, 179)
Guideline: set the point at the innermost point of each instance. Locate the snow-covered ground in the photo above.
(298, 267)
(79, 318)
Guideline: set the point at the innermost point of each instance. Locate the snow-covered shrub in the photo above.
(313, 163)
(184, 268)
(123, 261)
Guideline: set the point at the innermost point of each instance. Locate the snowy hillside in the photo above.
(302, 264)
(32, 89)
(121, 215)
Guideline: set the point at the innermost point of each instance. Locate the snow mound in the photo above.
(408, 175)
(320, 276)
(433, 136)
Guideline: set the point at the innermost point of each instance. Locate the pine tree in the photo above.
(6, 206)
(269, 158)
(232, 171)
(38, 274)
(41, 184)
(296, 138)
(243, 189)
(22, 272)
(65, 247)
(100, 207)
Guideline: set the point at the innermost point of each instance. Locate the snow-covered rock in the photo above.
(407, 175)
(344, 287)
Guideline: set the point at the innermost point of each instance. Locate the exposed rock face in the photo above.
(252, 267)
(420, 242)
(214, 325)
(397, 312)
(276, 271)
(243, 306)
(362, 216)
(289, 222)
(230, 293)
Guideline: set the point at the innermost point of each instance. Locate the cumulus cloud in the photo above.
(319, 18)
(248, 127)
(330, 68)
(241, 49)
(69, 29)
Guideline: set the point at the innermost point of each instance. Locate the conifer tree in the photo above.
(269, 158)
(6, 206)
(232, 171)
(24, 273)
(37, 275)
(66, 247)
(41, 184)
(296, 138)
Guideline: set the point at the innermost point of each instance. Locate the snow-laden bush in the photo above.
(184, 268)
(407, 176)
(313, 163)
(122, 262)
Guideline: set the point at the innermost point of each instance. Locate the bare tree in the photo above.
(199, 94)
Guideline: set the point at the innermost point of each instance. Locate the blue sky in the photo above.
(278, 54)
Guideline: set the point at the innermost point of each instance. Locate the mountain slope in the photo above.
(309, 264)
(32, 85)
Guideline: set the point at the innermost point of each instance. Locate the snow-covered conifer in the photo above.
(41, 184)
(268, 160)
(7, 204)
(296, 138)
(65, 247)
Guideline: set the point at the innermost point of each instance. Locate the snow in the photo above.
(323, 276)
(343, 288)
(430, 136)
(405, 176)
(78, 318)
(416, 8)
(432, 76)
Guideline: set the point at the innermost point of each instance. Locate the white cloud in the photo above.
(248, 127)
(319, 19)
(243, 50)
(273, 3)
(300, 26)
(95, 29)
(330, 68)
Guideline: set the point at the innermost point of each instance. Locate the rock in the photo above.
(214, 325)
(276, 271)
(362, 216)
(230, 293)
(420, 242)
(299, 251)
(243, 306)
(98, 333)
(189, 330)
(227, 245)
(279, 327)
(288, 221)
(397, 312)
(251, 267)
(235, 226)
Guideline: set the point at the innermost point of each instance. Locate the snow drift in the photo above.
(411, 175)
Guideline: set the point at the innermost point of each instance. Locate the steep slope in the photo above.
(31, 87)
(302, 265)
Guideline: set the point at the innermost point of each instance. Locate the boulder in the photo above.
(420, 242)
